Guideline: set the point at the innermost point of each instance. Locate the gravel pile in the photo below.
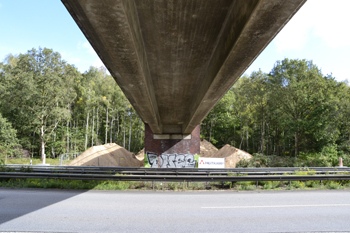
(108, 155)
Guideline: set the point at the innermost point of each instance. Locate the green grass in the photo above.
(35, 161)
(168, 186)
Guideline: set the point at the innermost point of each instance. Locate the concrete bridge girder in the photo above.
(174, 60)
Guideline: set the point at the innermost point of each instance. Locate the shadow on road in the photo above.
(15, 203)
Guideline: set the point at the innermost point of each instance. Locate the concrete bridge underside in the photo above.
(175, 59)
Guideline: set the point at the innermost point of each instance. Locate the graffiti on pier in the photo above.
(171, 160)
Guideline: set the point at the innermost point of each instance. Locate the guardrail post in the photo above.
(257, 184)
(153, 184)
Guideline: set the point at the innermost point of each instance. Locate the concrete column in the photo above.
(172, 143)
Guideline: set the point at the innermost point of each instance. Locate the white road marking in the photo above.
(273, 206)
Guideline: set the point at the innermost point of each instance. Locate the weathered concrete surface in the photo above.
(174, 60)
(173, 145)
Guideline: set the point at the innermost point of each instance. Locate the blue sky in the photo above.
(320, 31)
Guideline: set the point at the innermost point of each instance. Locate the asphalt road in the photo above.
(31, 210)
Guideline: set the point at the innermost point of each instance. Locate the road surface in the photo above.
(39, 210)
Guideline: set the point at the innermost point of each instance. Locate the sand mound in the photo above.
(141, 155)
(232, 155)
(108, 155)
(207, 149)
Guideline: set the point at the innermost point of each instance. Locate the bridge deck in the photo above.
(174, 60)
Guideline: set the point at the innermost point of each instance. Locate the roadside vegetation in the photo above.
(173, 186)
(322, 159)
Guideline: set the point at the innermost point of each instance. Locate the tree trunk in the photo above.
(67, 136)
(124, 130)
(93, 127)
(234, 133)
(97, 124)
(87, 130)
(33, 144)
(117, 136)
(141, 138)
(263, 134)
(253, 150)
(106, 126)
(53, 147)
(75, 139)
(71, 141)
(111, 130)
(240, 145)
(211, 127)
(242, 134)
(42, 142)
(268, 139)
(296, 144)
(277, 142)
(130, 118)
(247, 136)
(137, 135)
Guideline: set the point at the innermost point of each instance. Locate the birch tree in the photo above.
(39, 81)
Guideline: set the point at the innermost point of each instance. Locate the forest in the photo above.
(48, 108)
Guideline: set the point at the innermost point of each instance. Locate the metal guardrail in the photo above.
(180, 174)
(271, 169)
(145, 172)
(173, 178)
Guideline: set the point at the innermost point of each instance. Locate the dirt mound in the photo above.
(232, 155)
(108, 155)
(141, 155)
(207, 149)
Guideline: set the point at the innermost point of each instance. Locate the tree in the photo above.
(8, 138)
(39, 91)
(252, 99)
(303, 95)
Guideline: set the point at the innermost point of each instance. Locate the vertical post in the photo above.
(340, 162)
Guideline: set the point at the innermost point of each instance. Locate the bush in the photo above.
(333, 185)
(271, 184)
(328, 157)
(258, 160)
(298, 184)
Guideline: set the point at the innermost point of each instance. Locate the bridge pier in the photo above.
(172, 143)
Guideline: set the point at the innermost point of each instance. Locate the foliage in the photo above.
(292, 116)
(9, 143)
(55, 109)
(271, 184)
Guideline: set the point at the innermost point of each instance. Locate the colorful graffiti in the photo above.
(171, 160)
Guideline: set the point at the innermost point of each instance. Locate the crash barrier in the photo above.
(175, 174)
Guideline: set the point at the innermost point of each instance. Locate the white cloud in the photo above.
(88, 48)
(98, 63)
(332, 23)
(325, 19)
(69, 58)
